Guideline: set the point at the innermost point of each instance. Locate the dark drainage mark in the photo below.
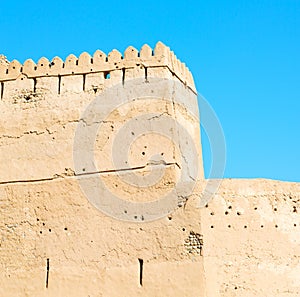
(59, 84)
(34, 85)
(83, 80)
(123, 76)
(2, 89)
(47, 275)
(141, 261)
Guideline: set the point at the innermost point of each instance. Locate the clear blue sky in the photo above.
(244, 56)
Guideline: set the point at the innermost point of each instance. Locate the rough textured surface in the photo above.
(252, 249)
(46, 110)
(251, 233)
(89, 253)
(53, 242)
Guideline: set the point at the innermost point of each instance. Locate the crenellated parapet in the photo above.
(89, 71)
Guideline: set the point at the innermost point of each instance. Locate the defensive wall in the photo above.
(54, 242)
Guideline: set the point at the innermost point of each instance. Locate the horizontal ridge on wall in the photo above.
(161, 56)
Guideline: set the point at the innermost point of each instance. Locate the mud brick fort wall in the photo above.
(54, 242)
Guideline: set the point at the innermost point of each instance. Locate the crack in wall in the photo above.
(75, 175)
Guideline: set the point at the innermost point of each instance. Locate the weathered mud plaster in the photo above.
(54, 242)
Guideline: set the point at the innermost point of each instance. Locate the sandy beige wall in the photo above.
(251, 232)
(40, 114)
(89, 253)
(44, 214)
(249, 248)
(244, 243)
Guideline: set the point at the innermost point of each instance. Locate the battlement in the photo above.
(90, 149)
(114, 66)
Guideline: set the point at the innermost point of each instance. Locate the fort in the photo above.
(54, 242)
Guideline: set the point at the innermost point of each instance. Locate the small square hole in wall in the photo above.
(106, 75)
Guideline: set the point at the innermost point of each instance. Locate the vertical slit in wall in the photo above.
(123, 76)
(59, 82)
(141, 262)
(47, 275)
(84, 77)
(146, 74)
(34, 85)
(2, 89)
